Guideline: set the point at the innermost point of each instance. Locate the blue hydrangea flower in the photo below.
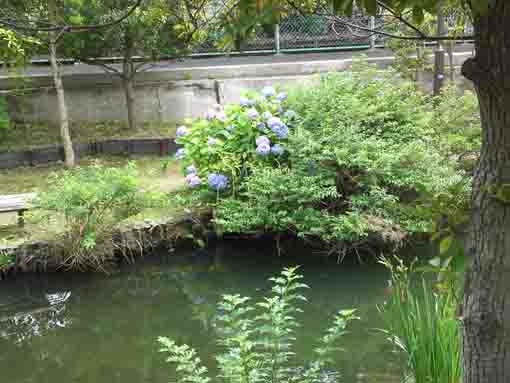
(282, 96)
(252, 113)
(277, 150)
(217, 181)
(212, 141)
(263, 149)
(244, 101)
(268, 91)
(261, 126)
(267, 115)
(281, 131)
(191, 170)
(180, 153)
(262, 140)
(290, 114)
(193, 180)
(274, 122)
(181, 131)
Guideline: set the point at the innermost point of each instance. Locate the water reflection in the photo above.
(90, 328)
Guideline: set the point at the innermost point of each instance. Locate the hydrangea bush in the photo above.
(358, 160)
(219, 151)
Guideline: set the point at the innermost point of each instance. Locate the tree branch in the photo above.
(422, 36)
(68, 27)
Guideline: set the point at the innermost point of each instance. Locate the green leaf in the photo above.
(445, 245)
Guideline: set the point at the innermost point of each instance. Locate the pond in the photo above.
(66, 328)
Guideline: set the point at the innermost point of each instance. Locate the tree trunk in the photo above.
(486, 309)
(59, 87)
(129, 92)
(128, 76)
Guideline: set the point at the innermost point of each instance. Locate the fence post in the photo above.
(277, 38)
(439, 53)
(373, 35)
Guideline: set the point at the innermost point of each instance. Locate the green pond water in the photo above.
(66, 328)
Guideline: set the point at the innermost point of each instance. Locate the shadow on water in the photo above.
(65, 328)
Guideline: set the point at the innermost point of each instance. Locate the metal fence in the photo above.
(297, 32)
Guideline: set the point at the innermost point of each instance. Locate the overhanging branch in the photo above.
(15, 25)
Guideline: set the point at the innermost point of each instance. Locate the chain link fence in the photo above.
(298, 32)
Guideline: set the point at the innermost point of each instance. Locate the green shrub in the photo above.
(92, 201)
(257, 339)
(4, 119)
(365, 156)
(421, 321)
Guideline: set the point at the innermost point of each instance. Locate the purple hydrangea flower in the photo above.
(274, 122)
(268, 91)
(262, 140)
(180, 153)
(267, 115)
(263, 149)
(282, 96)
(290, 114)
(252, 113)
(211, 115)
(217, 181)
(182, 131)
(261, 126)
(191, 170)
(281, 131)
(277, 150)
(212, 141)
(221, 116)
(193, 180)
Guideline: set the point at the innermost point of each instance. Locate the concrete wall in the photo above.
(169, 94)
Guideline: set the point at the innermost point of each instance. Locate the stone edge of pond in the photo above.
(130, 242)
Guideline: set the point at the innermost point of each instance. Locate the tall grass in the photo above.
(422, 322)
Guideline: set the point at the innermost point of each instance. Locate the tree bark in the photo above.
(63, 118)
(486, 308)
(128, 75)
(129, 92)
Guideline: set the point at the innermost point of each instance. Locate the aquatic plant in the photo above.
(422, 322)
(257, 339)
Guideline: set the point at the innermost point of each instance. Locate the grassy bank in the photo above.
(153, 176)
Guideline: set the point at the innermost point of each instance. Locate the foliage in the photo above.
(4, 118)
(367, 154)
(93, 201)
(421, 321)
(457, 123)
(233, 141)
(257, 339)
(15, 49)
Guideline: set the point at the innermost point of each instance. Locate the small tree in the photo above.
(51, 20)
(156, 31)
